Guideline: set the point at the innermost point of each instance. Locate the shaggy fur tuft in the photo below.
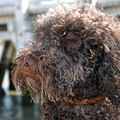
(74, 55)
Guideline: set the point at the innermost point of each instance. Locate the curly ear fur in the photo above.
(77, 54)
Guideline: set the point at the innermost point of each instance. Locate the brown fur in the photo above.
(74, 55)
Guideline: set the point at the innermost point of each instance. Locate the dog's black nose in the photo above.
(27, 62)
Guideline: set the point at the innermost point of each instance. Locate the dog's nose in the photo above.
(26, 61)
(29, 62)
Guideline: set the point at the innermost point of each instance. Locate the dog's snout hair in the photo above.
(72, 65)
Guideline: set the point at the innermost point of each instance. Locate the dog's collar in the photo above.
(85, 101)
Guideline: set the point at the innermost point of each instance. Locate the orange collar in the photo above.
(85, 101)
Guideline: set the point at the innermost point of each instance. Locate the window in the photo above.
(3, 27)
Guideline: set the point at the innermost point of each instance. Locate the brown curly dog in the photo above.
(72, 65)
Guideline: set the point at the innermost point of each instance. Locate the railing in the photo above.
(5, 2)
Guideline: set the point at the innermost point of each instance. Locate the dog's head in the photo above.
(74, 53)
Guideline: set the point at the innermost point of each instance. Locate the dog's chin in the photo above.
(34, 89)
(23, 83)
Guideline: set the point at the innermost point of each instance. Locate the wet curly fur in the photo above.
(74, 55)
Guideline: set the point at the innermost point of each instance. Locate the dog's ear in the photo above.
(103, 57)
(107, 73)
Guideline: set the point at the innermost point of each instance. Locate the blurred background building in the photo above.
(17, 27)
